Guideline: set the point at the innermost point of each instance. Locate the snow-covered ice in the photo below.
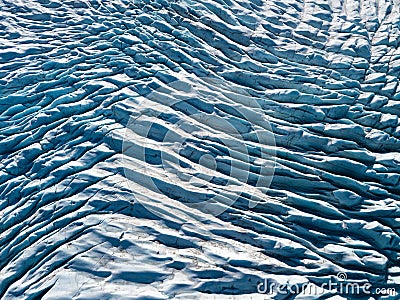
(75, 204)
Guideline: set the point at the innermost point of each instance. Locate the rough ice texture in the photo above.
(327, 76)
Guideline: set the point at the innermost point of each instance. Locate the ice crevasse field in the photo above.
(199, 149)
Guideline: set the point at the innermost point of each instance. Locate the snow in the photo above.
(191, 149)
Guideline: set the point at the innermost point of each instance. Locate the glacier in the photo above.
(197, 149)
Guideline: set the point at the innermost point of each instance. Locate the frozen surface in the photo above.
(325, 74)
